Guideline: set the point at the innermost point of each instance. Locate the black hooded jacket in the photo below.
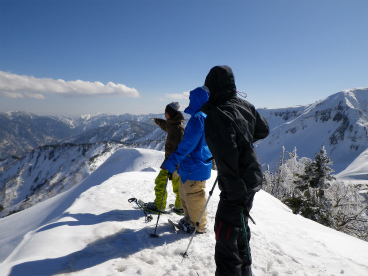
(231, 127)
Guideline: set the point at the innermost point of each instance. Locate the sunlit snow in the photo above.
(92, 229)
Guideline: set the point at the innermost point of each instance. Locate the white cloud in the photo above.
(16, 86)
(182, 96)
(34, 96)
(13, 95)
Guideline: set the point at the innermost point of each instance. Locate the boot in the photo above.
(152, 206)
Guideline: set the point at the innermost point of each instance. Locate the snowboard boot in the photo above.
(152, 206)
(186, 225)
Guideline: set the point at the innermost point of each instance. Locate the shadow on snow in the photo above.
(119, 245)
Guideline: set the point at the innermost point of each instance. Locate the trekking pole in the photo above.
(185, 254)
(245, 235)
(159, 211)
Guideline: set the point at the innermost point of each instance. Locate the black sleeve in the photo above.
(261, 130)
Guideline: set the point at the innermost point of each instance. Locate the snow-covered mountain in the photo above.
(48, 171)
(120, 132)
(78, 144)
(22, 132)
(339, 122)
(92, 229)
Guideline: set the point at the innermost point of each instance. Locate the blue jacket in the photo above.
(192, 151)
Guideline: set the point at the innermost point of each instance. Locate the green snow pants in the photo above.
(160, 182)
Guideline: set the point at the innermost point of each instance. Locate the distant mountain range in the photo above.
(22, 132)
(54, 154)
(339, 122)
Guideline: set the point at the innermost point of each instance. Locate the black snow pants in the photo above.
(230, 252)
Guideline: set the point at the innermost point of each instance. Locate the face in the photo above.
(167, 116)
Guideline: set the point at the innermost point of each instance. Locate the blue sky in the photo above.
(82, 57)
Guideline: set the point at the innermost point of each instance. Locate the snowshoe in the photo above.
(176, 226)
(178, 211)
(142, 205)
(151, 207)
(185, 225)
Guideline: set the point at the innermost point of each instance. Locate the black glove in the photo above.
(169, 174)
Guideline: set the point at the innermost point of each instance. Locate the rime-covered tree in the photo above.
(309, 199)
(320, 176)
(349, 208)
(308, 188)
(280, 184)
(267, 180)
(278, 180)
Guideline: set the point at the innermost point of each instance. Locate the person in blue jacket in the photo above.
(193, 156)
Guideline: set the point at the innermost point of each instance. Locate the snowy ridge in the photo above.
(48, 171)
(92, 229)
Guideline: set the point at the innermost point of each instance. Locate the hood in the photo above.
(220, 82)
(197, 98)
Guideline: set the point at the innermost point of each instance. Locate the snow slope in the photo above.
(92, 229)
(356, 172)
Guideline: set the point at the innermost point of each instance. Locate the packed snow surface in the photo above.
(92, 229)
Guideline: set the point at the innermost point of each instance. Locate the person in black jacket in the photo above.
(231, 127)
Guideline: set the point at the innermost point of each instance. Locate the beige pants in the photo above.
(193, 199)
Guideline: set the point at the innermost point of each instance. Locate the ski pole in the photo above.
(154, 235)
(245, 236)
(185, 254)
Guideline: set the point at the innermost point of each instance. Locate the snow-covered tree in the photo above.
(280, 184)
(267, 180)
(278, 179)
(309, 199)
(320, 171)
(349, 208)
(309, 189)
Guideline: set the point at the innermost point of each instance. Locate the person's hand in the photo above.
(245, 205)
